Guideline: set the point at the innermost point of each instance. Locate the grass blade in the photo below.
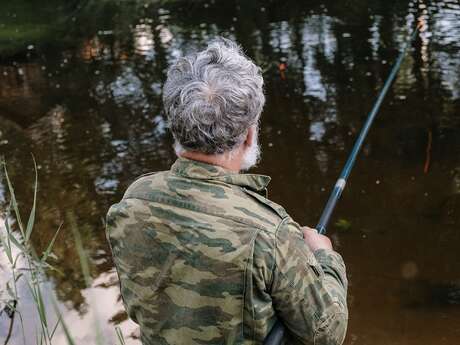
(119, 333)
(12, 238)
(30, 222)
(85, 269)
(55, 328)
(47, 252)
(79, 246)
(38, 302)
(6, 248)
(68, 336)
(13, 200)
(42, 306)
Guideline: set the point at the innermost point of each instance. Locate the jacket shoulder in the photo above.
(208, 196)
(142, 187)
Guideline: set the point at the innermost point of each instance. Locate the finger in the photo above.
(309, 232)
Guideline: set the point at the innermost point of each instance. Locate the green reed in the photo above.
(17, 246)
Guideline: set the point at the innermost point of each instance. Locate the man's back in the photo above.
(203, 258)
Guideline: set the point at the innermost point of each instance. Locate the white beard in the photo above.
(252, 155)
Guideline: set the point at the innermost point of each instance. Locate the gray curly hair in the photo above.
(212, 97)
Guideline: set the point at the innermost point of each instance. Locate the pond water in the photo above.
(80, 89)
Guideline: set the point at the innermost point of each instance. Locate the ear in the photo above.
(250, 136)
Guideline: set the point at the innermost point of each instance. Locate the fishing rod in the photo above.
(277, 333)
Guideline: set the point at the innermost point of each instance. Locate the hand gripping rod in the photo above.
(277, 333)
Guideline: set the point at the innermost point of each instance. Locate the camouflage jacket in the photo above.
(204, 258)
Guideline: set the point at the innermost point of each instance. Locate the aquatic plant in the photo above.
(25, 264)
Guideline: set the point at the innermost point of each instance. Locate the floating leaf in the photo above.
(343, 224)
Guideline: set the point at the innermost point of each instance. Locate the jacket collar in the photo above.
(199, 170)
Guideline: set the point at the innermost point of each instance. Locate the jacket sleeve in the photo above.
(308, 289)
(130, 248)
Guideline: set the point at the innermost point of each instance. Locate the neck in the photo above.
(225, 160)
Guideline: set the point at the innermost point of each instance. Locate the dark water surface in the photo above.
(80, 88)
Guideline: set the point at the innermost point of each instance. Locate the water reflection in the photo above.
(445, 33)
(143, 41)
(90, 110)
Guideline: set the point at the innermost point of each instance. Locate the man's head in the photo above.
(213, 100)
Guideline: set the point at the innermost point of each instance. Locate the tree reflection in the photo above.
(88, 105)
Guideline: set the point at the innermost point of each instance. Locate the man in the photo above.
(202, 256)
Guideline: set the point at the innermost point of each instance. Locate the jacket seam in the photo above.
(251, 255)
(275, 245)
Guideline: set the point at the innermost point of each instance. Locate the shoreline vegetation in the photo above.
(25, 265)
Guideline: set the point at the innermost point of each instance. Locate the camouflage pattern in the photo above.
(204, 258)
